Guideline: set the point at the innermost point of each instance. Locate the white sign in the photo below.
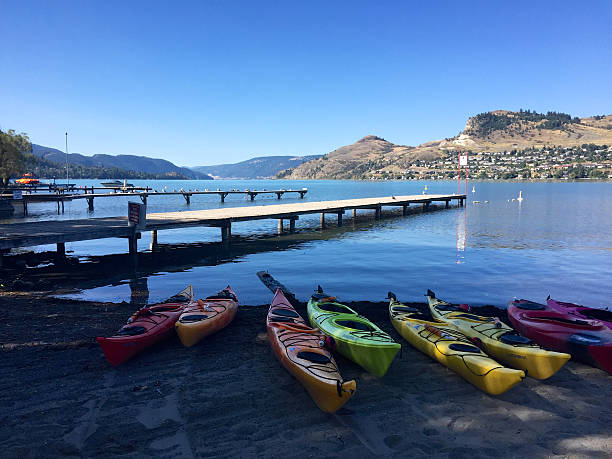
(17, 194)
(463, 160)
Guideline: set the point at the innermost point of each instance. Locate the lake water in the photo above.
(558, 241)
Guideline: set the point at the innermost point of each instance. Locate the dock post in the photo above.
(340, 217)
(302, 193)
(133, 243)
(223, 195)
(292, 224)
(322, 220)
(144, 196)
(460, 202)
(252, 195)
(153, 240)
(426, 206)
(279, 194)
(447, 203)
(226, 231)
(280, 226)
(377, 213)
(187, 198)
(405, 210)
(354, 214)
(60, 255)
(90, 204)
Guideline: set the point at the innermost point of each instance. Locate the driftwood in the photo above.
(272, 284)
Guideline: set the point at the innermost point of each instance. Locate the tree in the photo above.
(12, 147)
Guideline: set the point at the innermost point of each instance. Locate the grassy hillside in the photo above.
(496, 131)
(255, 168)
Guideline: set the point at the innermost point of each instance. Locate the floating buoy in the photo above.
(520, 198)
(473, 189)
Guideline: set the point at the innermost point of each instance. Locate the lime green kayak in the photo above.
(355, 337)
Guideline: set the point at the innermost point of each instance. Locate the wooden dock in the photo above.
(90, 195)
(59, 232)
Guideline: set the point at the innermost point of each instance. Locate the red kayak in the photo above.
(587, 340)
(146, 327)
(581, 312)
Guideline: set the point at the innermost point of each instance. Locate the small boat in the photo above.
(586, 339)
(356, 337)
(27, 179)
(452, 349)
(117, 184)
(498, 340)
(582, 312)
(145, 327)
(205, 317)
(302, 351)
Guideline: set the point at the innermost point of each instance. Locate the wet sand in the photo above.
(228, 396)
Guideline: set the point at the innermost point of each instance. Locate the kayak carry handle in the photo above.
(430, 293)
(391, 296)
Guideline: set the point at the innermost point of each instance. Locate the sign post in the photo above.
(463, 162)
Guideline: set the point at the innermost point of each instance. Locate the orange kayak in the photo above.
(205, 317)
(301, 350)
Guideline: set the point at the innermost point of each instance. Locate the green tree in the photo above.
(12, 147)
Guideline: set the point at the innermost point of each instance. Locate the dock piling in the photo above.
(377, 213)
(322, 220)
(292, 224)
(340, 217)
(226, 231)
(153, 240)
(280, 226)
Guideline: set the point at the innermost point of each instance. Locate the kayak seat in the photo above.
(314, 357)
(193, 318)
(530, 305)
(131, 331)
(178, 299)
(598, 314)
(563, 320)
(333, 307)
(514, 338)
(584, 339)
(284, 312)
(354, 325)
(222, 295)
(464, 348)
(448, 307)
(281, 319)
(405, 309)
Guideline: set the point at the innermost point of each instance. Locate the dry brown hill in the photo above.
(493, 131)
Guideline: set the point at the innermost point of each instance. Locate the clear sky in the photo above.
(210, 82)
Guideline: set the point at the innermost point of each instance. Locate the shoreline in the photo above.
(229, 396)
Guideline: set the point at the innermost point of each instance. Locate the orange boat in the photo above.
(28, 179)
(301, 351)
(206, 317)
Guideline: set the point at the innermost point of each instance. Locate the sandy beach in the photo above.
(229, 396)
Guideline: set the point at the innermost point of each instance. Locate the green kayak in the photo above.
(355, 337)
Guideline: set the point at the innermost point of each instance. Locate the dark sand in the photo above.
(229, 396)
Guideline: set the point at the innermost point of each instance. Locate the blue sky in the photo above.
(210, 82)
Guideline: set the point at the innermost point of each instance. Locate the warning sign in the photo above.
(463, 160)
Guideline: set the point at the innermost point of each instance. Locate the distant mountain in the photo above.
(126, 162)
(496, 131)
(255, 168)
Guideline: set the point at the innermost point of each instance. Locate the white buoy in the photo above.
(520, 198)
(473, 189)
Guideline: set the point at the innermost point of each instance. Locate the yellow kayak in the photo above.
(452, 349)
(206, 317)
(499, 340)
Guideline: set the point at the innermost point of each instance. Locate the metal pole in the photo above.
(459, 173)
(66, 160)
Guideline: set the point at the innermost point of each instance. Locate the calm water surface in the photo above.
(557, 241)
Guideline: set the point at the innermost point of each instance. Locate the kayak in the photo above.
(355, 337)
(301, 349)
(145, 327)
(587, 340)
(499, 340)
(582, 312)
(452, 349)
(205, 317)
